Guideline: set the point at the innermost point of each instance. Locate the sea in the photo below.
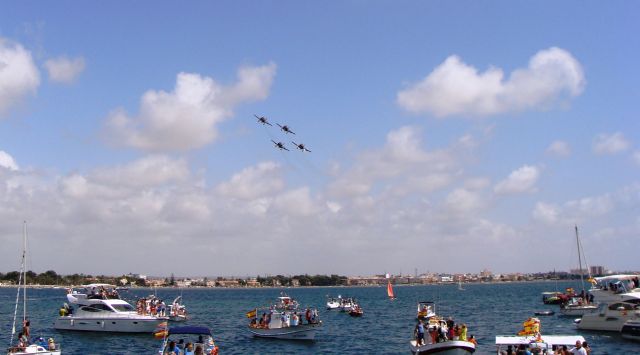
(387, 325)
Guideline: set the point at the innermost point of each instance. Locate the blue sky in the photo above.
(445, 136)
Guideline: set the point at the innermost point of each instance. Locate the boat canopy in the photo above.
(546, 339)
(98, 285)
(190, 330)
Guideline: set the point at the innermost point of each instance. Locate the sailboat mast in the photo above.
(24, 277)
(580, 260)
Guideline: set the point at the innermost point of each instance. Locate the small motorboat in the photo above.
(334, 303)
(451, 347)
(356, 311)
(544, 313)
(199, 338)
(631, 330)
(284, 320)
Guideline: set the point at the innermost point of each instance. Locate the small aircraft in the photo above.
(301, 146)
(285, 128)
(280, 145)
(263, 120)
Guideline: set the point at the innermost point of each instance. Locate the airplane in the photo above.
(301, 146)
(285, 128)
(263, 120)
(280, 145)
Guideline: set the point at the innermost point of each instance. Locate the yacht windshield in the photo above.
(123, 307)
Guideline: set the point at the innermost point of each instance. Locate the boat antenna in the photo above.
(580, 262)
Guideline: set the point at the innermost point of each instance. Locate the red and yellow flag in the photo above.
(252, 313)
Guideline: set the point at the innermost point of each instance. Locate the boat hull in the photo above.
(115, 325)
(454, 347)
(577, 311)
(631, 330)
(38, 350)
(299, 332)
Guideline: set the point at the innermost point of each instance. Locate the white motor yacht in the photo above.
(610, 317)
(99, 309)
(612, 288)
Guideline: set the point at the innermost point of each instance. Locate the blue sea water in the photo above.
(386, 327)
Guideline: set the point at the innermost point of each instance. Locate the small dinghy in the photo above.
(544, 313)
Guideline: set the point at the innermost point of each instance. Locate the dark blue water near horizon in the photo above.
(386, 327)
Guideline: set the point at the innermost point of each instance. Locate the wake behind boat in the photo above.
(100, 309)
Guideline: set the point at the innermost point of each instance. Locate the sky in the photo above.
(444, 136)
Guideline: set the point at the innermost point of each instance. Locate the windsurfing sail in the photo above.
(390, 290)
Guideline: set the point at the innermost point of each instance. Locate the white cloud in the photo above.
(254, 182)
(461, 200)
(19, 75)
(186, 118)
(520, 180)
(455, 88)
(610, 143)
(546, 212)
(7, 161)
(152, 170)
(63, 69)
(559, 149)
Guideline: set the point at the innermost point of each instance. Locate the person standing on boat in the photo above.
(419, 333)
(463, 332)
(25, 328)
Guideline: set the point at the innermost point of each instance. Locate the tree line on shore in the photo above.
(51, 277)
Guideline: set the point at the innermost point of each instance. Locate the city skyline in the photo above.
(443, 136)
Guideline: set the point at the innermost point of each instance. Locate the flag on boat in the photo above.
(252, 313)
(161, 331)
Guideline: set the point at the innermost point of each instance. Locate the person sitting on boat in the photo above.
(473, 340)
(294, 319)
(52, 344)
(41, 342)
(23, 342)
(173, 349)
(188, 349)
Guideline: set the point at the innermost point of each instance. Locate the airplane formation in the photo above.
(263, 120)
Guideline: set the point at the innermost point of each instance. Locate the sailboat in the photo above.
(460, 288)
(23, 345)
(390, 291)
(578, 306)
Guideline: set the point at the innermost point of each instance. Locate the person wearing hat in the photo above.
(41, 342)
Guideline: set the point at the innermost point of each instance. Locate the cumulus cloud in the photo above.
(63, 69)
(559, 149)
(401, 157)
(455, 88)
(19, 75)
(613, 143)
(187, 117)
(254, 182)
(7, 161)
(521, 180)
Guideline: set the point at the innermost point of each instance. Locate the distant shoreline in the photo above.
(296, 287)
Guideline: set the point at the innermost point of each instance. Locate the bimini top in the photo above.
(546, 339)
(190, 330)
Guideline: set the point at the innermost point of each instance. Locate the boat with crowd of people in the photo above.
(284, 320)
(439, 336)
(98, 308)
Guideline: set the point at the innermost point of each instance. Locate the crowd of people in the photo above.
(441, 331)
(581, 348)
(287, 318)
